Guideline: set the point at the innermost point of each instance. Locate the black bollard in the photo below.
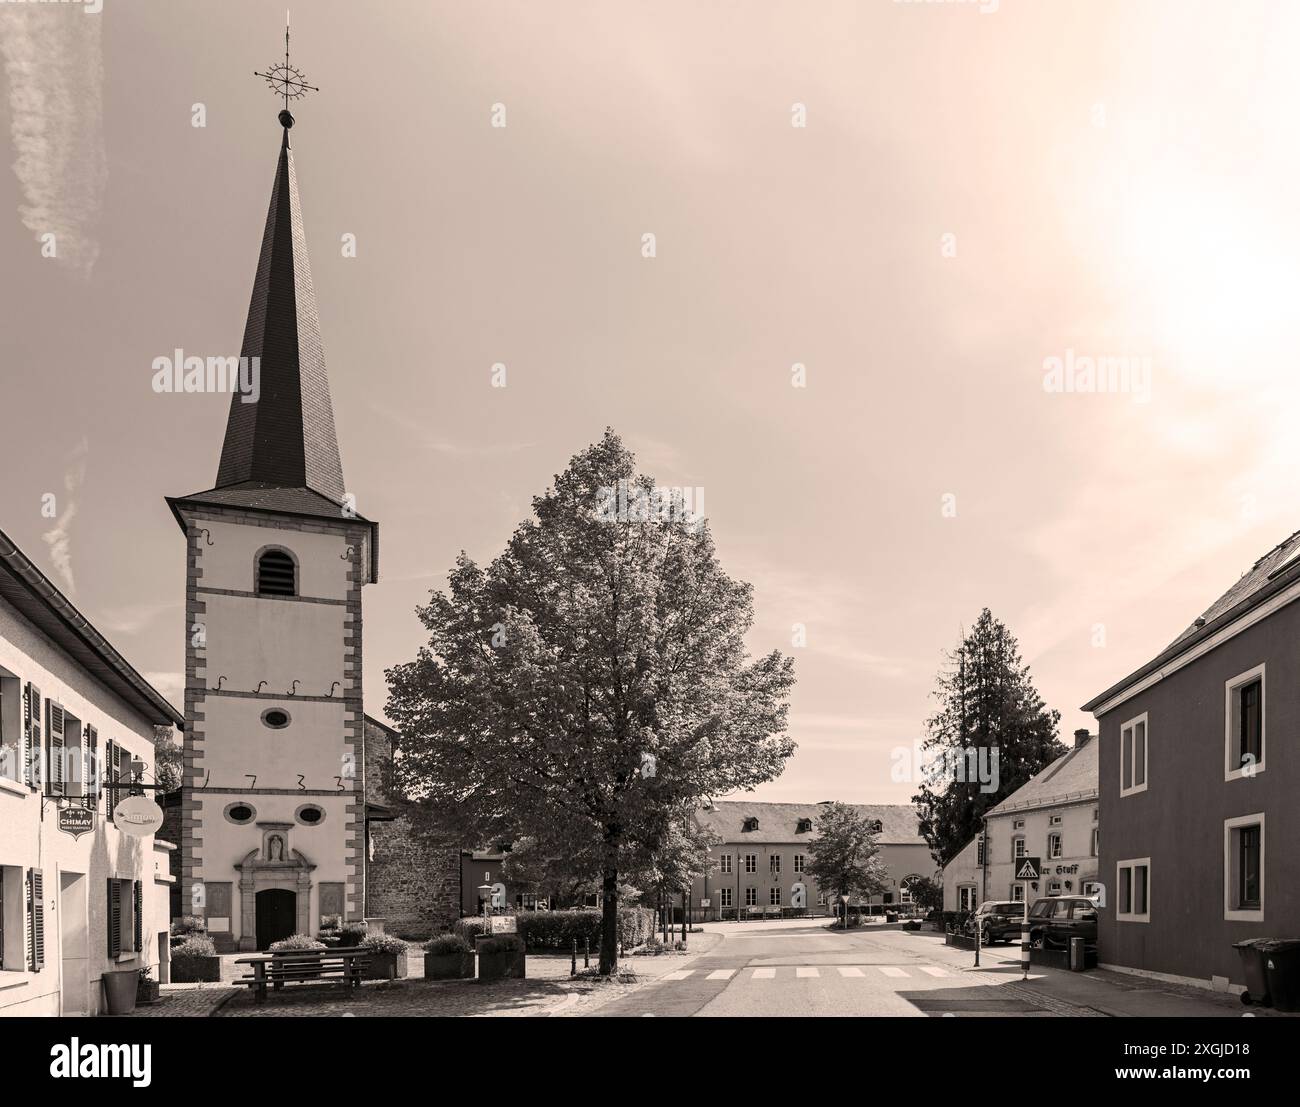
(573, 963)
(586, 953)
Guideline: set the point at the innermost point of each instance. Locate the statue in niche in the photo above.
(275, 848)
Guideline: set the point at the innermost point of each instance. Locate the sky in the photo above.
(982, 197)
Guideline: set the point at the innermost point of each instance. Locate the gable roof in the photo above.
(779, 822)
(32, 594)
(1072, 776)
(1274, 573)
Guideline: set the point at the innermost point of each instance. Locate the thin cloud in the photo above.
(59, 537)
(55, 75)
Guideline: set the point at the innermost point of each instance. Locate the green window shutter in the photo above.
(138, 911)
(35, 919)
(90, 766)
(32, 737)
(114, 918)
(54, 743)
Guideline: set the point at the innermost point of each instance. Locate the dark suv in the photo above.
(1054, 920)
(999, 921)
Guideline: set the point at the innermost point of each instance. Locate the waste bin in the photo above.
(1282, 962)
(1252, 966)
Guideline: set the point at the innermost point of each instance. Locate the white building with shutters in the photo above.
(78, 898)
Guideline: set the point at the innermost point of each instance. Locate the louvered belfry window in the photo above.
(276, 574)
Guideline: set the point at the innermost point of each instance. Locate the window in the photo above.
(1054, 845)
(804, 826)
(1089, 887)
(1054, 888)
(11, 726)
(276, 718)
(1133, 884)
(798, 863)
(277, 574)
(1017, 847)
(216, 905)
(55, 722)
(751, 823)
(877, 826)
(1133, 756)
(1243, 868)
(125, 919)
(310, 815)
(724, 897)
(1055, 820)
(1017, 893)
(821, 899)
(967, 897)
(1244, 724)
(15, 919)
(240, 813)
(1096, 842)
(751, 897)
(724, 863)
(774, 897)
(774, 864)
(1017, 824)
(751, 862)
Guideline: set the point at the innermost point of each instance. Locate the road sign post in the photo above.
(1027, 869)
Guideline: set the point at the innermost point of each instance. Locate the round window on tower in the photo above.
(276, 718)
(310, 815)
(240, 813)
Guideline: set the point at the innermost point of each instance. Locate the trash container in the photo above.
(1252, 966)
(1281, 958)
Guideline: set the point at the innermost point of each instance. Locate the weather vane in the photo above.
(287, 80)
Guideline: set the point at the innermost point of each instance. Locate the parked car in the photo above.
(999, 921)
(1054, 920)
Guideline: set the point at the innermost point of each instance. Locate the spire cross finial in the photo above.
(287, 80)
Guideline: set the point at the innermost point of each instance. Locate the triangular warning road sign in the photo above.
(1027, 871)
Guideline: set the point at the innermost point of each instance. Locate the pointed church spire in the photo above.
(287, 438)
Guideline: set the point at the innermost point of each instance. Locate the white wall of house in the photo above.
(74, 871)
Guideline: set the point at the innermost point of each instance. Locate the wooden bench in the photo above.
(288, 966)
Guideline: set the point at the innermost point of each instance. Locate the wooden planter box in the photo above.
(449, 966)
(385, 966)
(196, 970)
(502, 966)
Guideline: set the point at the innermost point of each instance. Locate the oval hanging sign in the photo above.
(137, 816)
(76, 820)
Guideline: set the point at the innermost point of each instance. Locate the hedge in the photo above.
(557, 930)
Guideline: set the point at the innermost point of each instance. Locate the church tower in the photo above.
(273, 796)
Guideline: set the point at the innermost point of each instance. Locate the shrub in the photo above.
(447, 944)
(469, 927)
(653, 945)
(352, 933)
(193, 948)
(296, 942)
(558, 930)
(189, 924)
(506, 943)
(383, 943)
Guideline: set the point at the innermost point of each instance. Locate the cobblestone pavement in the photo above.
(186, 1001)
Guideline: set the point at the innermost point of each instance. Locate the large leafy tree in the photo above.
(987, 706)
(844, 858)
(591, 682)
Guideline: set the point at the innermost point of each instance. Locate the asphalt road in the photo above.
(800, 968)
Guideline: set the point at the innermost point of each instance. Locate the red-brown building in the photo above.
(1199, 773)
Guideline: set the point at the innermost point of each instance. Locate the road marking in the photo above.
(850, 970)
(680, 974)
(721, 974)
(806, 970)
(892, 970)
(764, 974)
(934, 971)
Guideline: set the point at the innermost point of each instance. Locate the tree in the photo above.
(681, 856)
(990, 717)
(844, 857)
(926, 893)
(169, 758)
(563, 878)
(592, 682)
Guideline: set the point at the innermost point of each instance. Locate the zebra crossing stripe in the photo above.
(806, 970)
(764, 974)
(934, 970)
(892, 970)
(680, 974)
(850, 970)
(721, 974)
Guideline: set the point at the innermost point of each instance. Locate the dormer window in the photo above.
(277, 575)
(751, 823)
(877, 826)
(805, 825)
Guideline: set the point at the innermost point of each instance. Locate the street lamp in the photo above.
(485, 894)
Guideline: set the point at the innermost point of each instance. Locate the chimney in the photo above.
(1080, 736)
